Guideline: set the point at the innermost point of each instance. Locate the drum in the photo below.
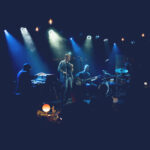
(111, 81)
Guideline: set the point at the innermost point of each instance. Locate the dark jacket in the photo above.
(65, 67)
(23, 81)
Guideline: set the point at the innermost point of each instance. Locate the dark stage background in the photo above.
(109, 19)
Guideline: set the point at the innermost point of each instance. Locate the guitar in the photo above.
(79, 81)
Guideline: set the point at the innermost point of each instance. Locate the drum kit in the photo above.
(122, 76)
(116, 84)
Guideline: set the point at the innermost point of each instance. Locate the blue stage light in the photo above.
(97, 37)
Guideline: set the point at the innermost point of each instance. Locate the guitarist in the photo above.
(82, 80)
(65, 69)
(83, 75)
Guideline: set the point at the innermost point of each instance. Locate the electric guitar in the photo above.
(78, 81)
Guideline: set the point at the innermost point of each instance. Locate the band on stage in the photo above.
(82, 80)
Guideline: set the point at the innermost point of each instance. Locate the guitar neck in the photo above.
(92, 78)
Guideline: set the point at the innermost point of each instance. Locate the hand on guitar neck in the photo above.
(80, 81)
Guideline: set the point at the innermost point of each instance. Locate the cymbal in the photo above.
(121, 70)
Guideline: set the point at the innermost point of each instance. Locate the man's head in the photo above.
(26, 67)
(67, 57)
(86, 68)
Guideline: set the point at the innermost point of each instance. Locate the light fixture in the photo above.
(37, 29)
(46, 108)
(50, 21)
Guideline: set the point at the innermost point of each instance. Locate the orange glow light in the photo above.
(46, 108)
(50, 21)
(122, 39)
(143, 35)
(37, 29)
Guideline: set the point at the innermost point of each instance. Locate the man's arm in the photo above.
(72, 67)
(60, 68)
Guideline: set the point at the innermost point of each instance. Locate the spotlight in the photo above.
(50, 21)
(145, 83)
(122, 39)
(71, 38)
(22, 28)
(37, 29)
(56, 42)
(143, 35)
(132, 42)
(105, 40)
(97, 37)
(89, 37)
(107, 60)
(6, 32)
(46, 108)
(51, 31)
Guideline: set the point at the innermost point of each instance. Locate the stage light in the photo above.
(16, 50)
(77, 50)
(132, 42)
(27, 39)
(105, 40)
(46, 108)
(89, 37)
(50, 21)
(107, 60)
(88, 45)
(143, 35)
(71, 38)
(57, 43)
(5, 31)
(116, 58)
(107, 47)
(122, 39)
(33, 57)
(37, 29)
(145, 83)
(50, 32)
(97, 37)
(53, 36)
(23, 29)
